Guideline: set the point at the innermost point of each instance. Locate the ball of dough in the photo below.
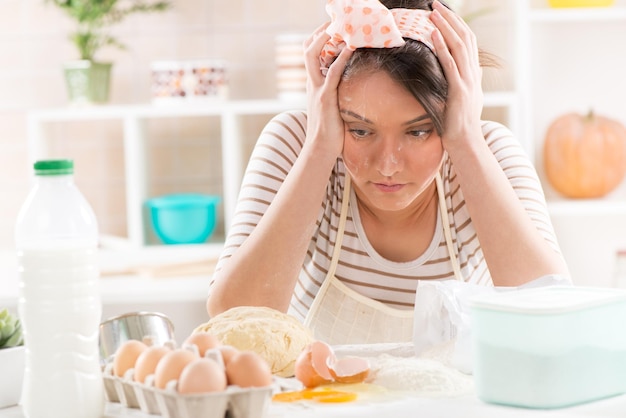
(277, 337)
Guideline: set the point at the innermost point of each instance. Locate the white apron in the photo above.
(339, 315)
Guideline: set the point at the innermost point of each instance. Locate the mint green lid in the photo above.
(54, 167)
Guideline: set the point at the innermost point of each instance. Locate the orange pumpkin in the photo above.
(585, 156)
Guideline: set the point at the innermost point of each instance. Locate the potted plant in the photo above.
(11, 359)
(87, 79)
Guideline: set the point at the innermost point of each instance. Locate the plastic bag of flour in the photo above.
(442, 326)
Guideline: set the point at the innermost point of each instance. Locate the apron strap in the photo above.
(446, 228)
(341, 228)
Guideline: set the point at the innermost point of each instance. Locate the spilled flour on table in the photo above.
(395, 367)
(421, 376)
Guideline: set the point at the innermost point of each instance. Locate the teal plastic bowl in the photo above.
(183, 218)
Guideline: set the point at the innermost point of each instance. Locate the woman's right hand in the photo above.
(325, 127)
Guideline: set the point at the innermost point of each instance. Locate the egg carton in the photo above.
(234, 402)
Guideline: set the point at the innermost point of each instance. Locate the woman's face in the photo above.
(391, 148)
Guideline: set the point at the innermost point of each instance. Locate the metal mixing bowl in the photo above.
(133, 326)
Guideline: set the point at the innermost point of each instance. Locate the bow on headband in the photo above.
(369, 24)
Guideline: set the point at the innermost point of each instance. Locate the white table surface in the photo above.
(466, 407)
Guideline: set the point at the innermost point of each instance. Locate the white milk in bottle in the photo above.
(56, 238)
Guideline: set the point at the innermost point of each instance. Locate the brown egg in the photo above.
(147, 361)
(247, 369)
(202, 375)
(203, 340)
(228, 351)
(171, 365)
(126, 355)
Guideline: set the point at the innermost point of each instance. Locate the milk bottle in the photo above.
(56, 238)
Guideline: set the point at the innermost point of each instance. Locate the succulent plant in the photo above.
(10, 330)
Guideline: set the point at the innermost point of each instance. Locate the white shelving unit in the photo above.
(556, 46)
(529, 18)
(230, 113)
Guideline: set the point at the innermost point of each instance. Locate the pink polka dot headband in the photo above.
(369, 24)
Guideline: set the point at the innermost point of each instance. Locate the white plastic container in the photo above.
(59, 303)
(549, 347)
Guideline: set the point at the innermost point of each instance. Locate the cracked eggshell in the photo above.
(349, 370)
(317, 365)
(311, 366)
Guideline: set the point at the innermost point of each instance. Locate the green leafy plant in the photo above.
(95, 17)
(10, 330)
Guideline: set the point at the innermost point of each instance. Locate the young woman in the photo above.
(389, 179)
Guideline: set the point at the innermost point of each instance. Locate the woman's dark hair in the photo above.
(413, 65)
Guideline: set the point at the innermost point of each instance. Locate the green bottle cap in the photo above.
(54, 167)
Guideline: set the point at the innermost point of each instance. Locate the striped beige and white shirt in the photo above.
(360, 267)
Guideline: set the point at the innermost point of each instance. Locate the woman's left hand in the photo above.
(457, 50)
